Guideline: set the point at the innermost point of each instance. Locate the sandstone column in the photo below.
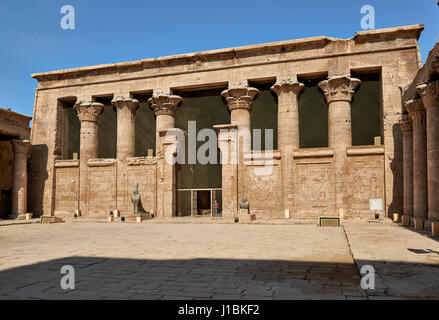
(126, 147)
(19, 187)
(339, 91)
(430, 97)
(164, 106)
(406, 125)
(239, 99)
(88, 114)
(417, 113)
(288, 133)
(126, 110)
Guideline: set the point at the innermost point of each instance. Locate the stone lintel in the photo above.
(262, 155)
(138, 161)
(66, 163)
(101, 162)
(365, 150)
(313, 153)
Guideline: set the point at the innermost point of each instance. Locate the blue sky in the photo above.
(115, 31)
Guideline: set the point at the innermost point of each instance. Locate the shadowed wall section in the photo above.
(313, 116)
(264, 115)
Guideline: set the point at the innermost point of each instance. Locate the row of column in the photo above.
(338, 91)
(420, 131)
(88, 112)
(239, 98)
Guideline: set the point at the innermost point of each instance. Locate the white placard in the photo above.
(376, 205)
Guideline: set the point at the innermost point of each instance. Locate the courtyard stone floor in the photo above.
(216, 261)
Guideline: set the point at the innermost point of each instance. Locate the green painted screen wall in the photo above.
(107, 132)
(366, 110)
(313, 116)
(71, 132)
(145, 129)
(264, 115)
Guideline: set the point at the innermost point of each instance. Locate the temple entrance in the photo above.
(199, 184)
(199, 202)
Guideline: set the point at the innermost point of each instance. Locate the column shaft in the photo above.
(88, 114)
(420, 199)
(338, 93)
(288, 135)
(164, 106)
(19, 187)
(406, 125)
(429, 93)
(126, 130)
(239, 101)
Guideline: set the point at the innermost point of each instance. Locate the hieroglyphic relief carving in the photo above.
(67, 189)
(262, 191)
(313, 185)
(366, 182)
(102, 189)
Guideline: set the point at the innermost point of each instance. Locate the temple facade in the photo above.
(329, 111)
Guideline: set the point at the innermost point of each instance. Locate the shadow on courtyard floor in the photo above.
(108, 278)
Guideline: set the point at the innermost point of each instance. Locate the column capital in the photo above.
(287, 85)
(339, 88)
(88, 110)
(164, 104)
(240, 97)
(429, 93)
(121, 102)
(20, 146)
(405, 122)
(416, 110)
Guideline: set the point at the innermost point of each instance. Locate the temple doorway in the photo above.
(199, 202)
(199, 184)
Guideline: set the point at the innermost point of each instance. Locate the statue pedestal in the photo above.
(50, 219)
(139, 217)
(247, 217)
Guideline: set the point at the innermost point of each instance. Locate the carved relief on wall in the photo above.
(102, 189)
(67, 189)
(366, 181)
(262, 190)
(145, 177)
(313, 187)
